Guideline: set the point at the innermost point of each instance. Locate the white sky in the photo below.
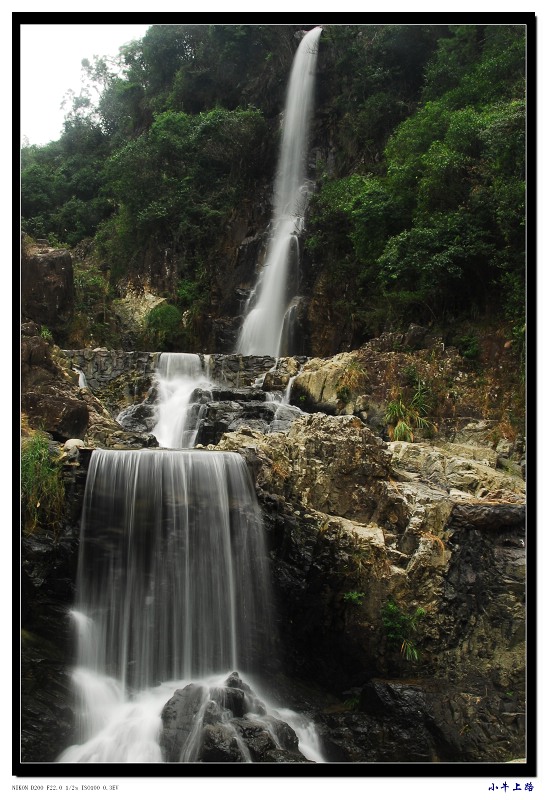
(51, 57)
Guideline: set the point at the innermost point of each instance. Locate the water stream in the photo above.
(263, 331)
(178, 411)
(173, 593)
(173, 612)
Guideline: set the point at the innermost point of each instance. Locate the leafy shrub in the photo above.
(188, 292)
(354, 598)
(42, 488)
(404, 416)
(163, 324)
(468, 346)
(400, 627)
(90, 286)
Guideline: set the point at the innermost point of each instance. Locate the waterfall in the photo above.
(262, 330)
(172, 587)
(178, 377)
(82, 382)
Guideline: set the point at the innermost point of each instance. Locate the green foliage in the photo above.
(94, 320)
(42, 488)
(400, 629)
(351, 704)
(419, 213)
(373, 79)
(61, 185)
(46, 334)
(354, 598)
(91, 287)
(406, 413)
(358, 207)
(438, 227)
(188, 292)
(458, 165)
(468, 346)
(178, 184)
(54, 241)
(163, 324)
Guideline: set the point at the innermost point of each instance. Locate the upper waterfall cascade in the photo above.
(262, 332)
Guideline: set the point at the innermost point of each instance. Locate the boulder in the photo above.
(177, 718)
(64, 417)
(319, 386)
(325, 463)
(224, 723)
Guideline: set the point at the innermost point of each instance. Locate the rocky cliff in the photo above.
(399, 566)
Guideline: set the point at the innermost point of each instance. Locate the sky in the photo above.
(51, 57)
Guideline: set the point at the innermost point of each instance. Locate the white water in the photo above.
(128, 730)
(262, 330)
(178, 377)
(172, 588)
(82, 382)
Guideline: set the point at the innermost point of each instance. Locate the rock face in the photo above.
(132, 310)
(53, 400)
(48, 575)
(399, 567)
(352, 531)
(49, 396)
(115, 377)
(421, 720)
(47, 287)
(246, 390)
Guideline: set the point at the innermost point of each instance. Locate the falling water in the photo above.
(172, 587)
(82, 382)
(262, 330)
(178, 377)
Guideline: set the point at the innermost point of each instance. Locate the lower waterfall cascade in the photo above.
(174, 601)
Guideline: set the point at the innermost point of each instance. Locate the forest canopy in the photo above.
(419, 148)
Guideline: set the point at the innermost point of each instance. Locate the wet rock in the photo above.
(118, 378)
(224, 723)
(177, 718)
(425, 721)
(238, 371)
(47, 716)
(139, 417)
(219, 744)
